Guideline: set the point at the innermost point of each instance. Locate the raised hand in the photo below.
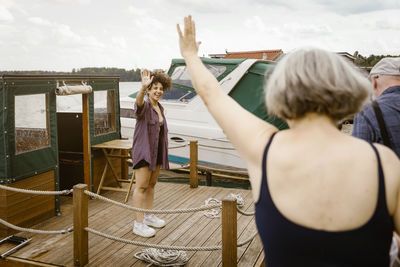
(187, 40)
(146, 79)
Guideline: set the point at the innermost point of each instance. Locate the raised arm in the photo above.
(146, 81)
(247, 132)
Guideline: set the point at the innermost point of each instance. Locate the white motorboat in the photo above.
(188, 118)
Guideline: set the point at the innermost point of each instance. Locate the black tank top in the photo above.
(289, 244)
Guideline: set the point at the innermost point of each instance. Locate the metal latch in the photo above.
(16, 240)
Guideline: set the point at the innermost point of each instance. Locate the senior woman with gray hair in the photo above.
(322, 198)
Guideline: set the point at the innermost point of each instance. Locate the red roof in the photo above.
(260, 54)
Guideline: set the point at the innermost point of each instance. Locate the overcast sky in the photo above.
(64, 34)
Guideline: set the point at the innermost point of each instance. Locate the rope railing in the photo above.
(36, 192)
(138, 243)
(188, 210)
(144, 244)
(35, 231)
(217, 147)
(245, 213)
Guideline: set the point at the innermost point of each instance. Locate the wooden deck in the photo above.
(188, 229)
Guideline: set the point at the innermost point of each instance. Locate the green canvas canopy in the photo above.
(28, 121)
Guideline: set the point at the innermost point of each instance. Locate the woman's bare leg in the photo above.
(149, 195)
(142, 176)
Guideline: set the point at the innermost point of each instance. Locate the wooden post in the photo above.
(208, 179)
(86, 140)
(81, 242)
(194, 178)
(229, 233)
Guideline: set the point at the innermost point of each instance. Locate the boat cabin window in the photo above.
(69, 103)
(104, 112)
(31, 122)
(180, 76)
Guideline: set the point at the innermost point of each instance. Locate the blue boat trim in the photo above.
(183, 160)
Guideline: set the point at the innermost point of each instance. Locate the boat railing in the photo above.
(195, 166)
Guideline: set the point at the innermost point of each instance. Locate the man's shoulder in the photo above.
(367, 110)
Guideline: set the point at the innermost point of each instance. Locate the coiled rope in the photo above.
(214, 213)
(37, 192)
(29, 230)
(162, 257)
(201, 208)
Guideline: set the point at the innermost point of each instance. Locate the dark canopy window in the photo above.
(184, 92)
(31, 122)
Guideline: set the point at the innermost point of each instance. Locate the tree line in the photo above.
(134, 74)
(368, 61)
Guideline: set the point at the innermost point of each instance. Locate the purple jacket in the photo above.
(145, 138)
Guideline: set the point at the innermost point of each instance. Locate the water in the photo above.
(127, 88)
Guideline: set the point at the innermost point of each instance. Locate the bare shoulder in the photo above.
(391, 171)
(388, 158)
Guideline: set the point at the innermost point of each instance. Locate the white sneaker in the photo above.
(142, 229)
(153, 220)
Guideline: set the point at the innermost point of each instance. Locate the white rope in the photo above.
(138, 243)
(217, 147)
(214, 213)
(38, 192)
(201, 208)
(250, 213)
(162, 257)
(29, 230)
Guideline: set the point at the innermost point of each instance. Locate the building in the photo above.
(273, 55)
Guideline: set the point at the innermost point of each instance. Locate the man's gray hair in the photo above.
(315, 81)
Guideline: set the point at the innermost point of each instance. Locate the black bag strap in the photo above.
(382, 125)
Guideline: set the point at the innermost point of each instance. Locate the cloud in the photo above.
(255, 22)
(306, 29)
(73, 2)
(137, 11)
(39, 21)
(119, 42)
(5, 15)
(358, 6)
(149, 23)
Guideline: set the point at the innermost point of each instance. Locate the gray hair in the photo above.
(315, 81)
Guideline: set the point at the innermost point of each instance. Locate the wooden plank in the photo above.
(109, 216)
(116, 144)
(86, 140)
(12, 261)
(194, 178)
(16, 199)
(174, 229)
(189, 229)
(229, 233)
(175, 200)
(213, 258)
(81, 244)
(29, 182)
(31, 209)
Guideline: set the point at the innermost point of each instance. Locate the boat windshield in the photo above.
(182, 89)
